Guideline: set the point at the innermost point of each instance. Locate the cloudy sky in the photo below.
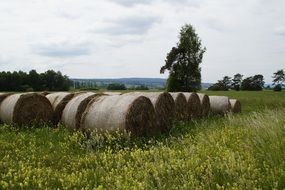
(130, 38)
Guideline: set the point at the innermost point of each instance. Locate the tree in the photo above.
(222, 85)
(277, 88)
(173, 84)
(278, 79)
(21, 81)
(226, 82)
(236, 81)
(116, 86)
(216, 87)
(141, 87)
(258, 82)
(49, 78)
(254, 83)
(183, 62)
(35, 81)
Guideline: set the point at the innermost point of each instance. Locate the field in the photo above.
(243, 151)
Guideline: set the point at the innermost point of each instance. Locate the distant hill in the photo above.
(130, 82)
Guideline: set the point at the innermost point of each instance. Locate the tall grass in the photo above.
(246, 151)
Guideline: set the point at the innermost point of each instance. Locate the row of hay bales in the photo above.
(139, 113)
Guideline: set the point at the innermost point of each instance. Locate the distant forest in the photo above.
(152, 83)
(33, 81)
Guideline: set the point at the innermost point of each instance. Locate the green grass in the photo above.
(255, 101)
(243, 151)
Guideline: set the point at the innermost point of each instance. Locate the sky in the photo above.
(131, 38)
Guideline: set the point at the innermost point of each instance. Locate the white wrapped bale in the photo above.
(220, 104)
(128, 113)
(22, 109)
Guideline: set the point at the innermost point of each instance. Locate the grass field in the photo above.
(243, 151)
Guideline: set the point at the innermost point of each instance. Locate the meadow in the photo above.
(244, 151)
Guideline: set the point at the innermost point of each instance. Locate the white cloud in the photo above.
(131, 2)
(64, 49)
(280, 30)
(124, 38)
(133, 25)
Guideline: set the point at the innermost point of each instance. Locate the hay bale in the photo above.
(181, 110)
(3, 96)
(113, 93)
(25, 108)
(131, 113)
(235, 106)
(164, 106)
(220, 104)
(205, 103)
(193, 105)
(58, 101)
(72, 113)
(44, 93)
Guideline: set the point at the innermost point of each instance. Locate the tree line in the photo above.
(33, 81)
(252, 83)
(88, 85)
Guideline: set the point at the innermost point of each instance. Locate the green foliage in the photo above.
(216, 87)
(55, 81)
(277, 88)
(116, 86)
(254, 83)
(279, 77)
(21, 81)
(236, 81)
(183, 61)
(243, 151)
(173, 84)
(85, 85)
(222, 85)
(140, 87)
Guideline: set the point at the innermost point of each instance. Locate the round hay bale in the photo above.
(72, 113)
(181, 110)
(164, 106)
(235, 106)
(44, 93)
(205, 103)
(193, 105)
(220, 104)
(58, 101)
(21, 109)
(3, 96)
(113, 93)
(130, 113)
